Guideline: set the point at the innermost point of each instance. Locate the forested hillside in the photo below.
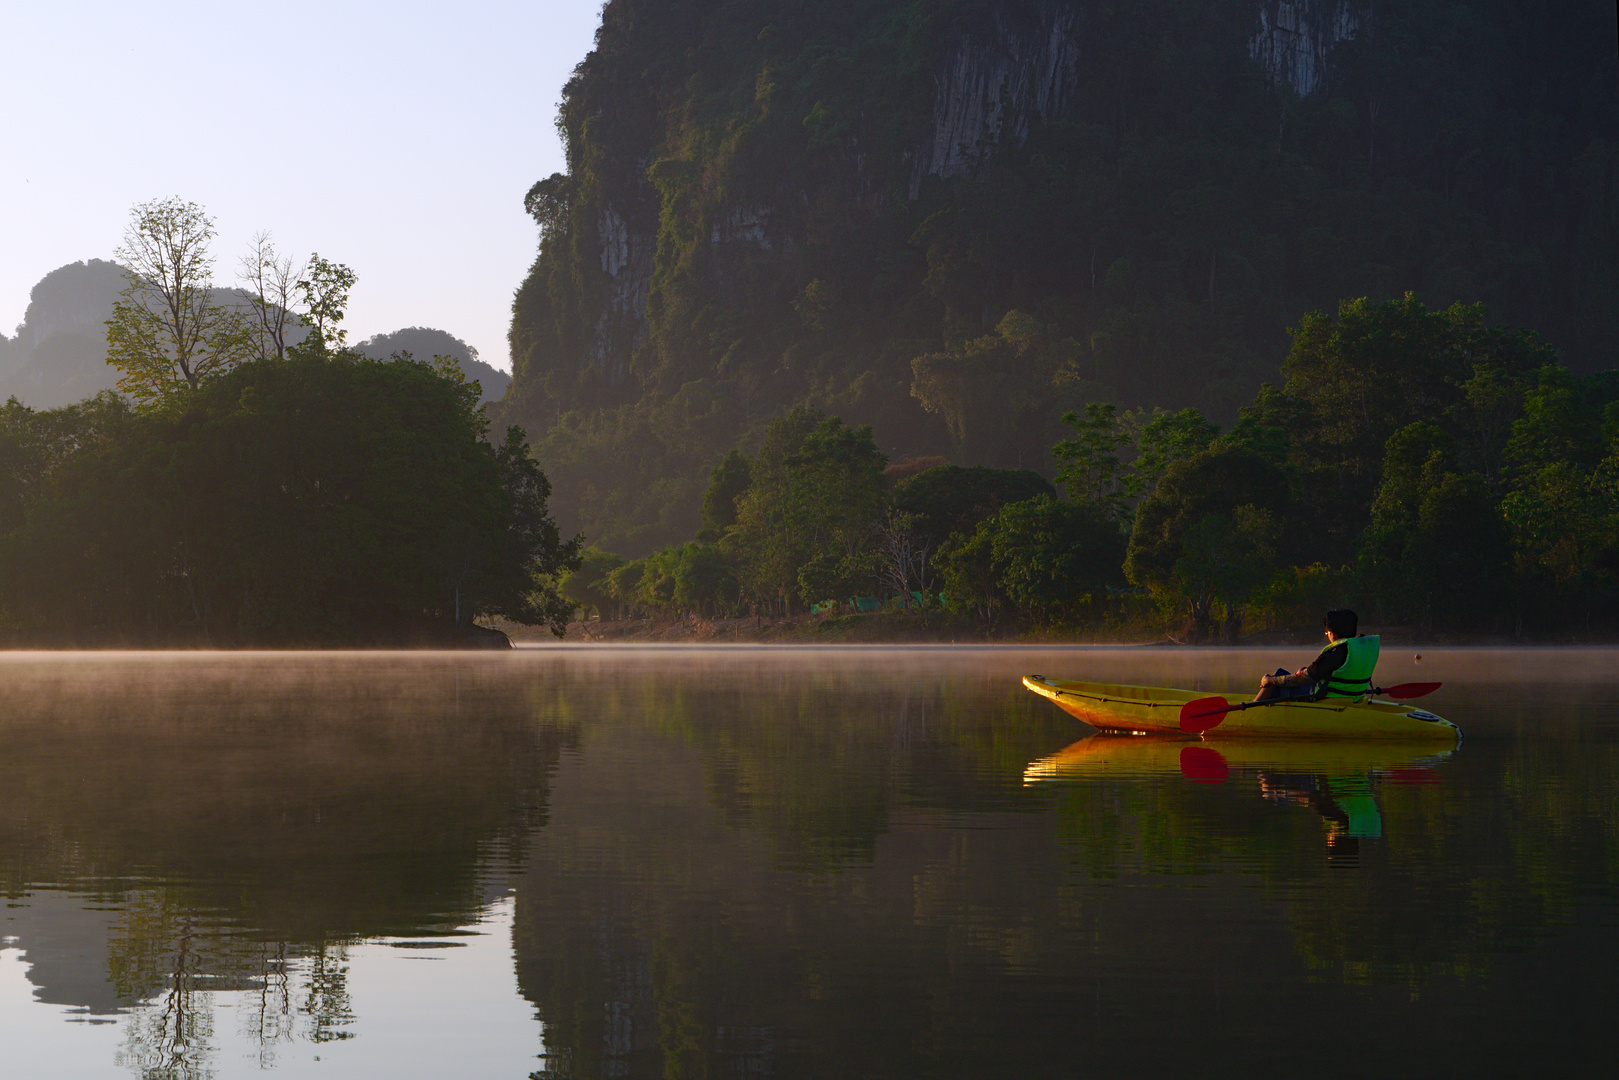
(956, 221)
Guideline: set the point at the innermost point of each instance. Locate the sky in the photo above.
(396, 138)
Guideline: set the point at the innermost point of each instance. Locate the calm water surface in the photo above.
(594, 862)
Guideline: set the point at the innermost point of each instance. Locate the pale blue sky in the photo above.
(398, 138)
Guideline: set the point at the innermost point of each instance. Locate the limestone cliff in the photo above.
(1295, 37)
(780, 202)
(990, 85)
(988, 82)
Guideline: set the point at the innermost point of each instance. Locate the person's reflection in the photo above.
(1346, 804)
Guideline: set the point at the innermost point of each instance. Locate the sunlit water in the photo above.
(594, 862)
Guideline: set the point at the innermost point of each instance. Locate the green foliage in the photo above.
(994, 392)
(171, 329)
(951, 498)
(293, 502)
(1229, 558)
(168, 332)
(1163, 440)
(590, 585)
(727, 482)
(816, 498)
(1090, 468)
(1048, 559)
(693, 577)
(1436, 551)
(1207, 526)
(324, 289)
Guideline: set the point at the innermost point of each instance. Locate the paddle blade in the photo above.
(1204, 765)
(1411, 689)
(1203, 713)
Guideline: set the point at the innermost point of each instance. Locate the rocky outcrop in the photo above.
(59, 355)
(1295, 37)
(995, 79)
(744, 225)
(988, 88)
(626, 259)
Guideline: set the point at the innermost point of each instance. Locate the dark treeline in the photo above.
(258, 481)
(839, 205)
(1425, 466)
(308, 501)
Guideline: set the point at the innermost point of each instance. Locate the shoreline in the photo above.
(939, 629)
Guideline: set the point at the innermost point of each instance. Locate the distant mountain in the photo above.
(424, 343)
(59, 353)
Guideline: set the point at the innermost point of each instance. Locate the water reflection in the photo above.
(670, 863)
(180, 832)
(1337, 779)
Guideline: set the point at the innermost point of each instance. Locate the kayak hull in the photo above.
(1102, 754)
(1157, 709)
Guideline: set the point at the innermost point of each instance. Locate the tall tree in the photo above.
(168, 332)
(1182, 545)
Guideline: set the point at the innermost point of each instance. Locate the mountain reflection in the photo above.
(785, 864)
(213, 825)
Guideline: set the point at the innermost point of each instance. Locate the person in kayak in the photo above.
(1344, 668)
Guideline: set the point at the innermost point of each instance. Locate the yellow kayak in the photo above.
(1156, 709)
(1102, 754)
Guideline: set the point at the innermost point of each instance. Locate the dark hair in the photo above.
(1343, 623)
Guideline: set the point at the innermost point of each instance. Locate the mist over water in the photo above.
(573, 862)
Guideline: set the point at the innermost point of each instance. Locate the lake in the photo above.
(582, 862)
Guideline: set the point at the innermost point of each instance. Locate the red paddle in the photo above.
(1406, 689)
(1204, 713)
(1203, 765)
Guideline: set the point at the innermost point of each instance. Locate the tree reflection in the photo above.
(251, 820)
(796, 880)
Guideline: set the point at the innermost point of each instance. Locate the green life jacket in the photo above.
(1353, 794)
(1354, 676)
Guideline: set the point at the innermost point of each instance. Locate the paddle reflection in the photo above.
(1339, 780)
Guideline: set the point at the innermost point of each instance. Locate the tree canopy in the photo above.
(314, 500)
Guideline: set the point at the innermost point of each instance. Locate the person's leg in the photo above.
(1268, 692)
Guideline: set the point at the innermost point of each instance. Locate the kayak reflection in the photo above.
(1337, 779)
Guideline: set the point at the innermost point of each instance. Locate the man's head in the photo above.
(1343, 623)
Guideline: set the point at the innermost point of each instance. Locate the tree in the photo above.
(1090, 468)
(1436, 550)
(693, 577)
(1163, 440)
(305, 501)
(947, 499)
(269, 281)
(994, 392)
(1048, 559)
(1229, 558)
(588, 586)
(1378, 367)
(324, 289)
(1053, 558)
(728, 480)
(168, 333)
(814, 501)
(522, 568)
(1212, 485)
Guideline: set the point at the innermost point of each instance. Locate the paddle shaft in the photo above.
(1215, 709)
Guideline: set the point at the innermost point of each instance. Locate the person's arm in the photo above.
(1302, 675)
(1317, 671)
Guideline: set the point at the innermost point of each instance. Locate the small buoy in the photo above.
(1419, 658)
